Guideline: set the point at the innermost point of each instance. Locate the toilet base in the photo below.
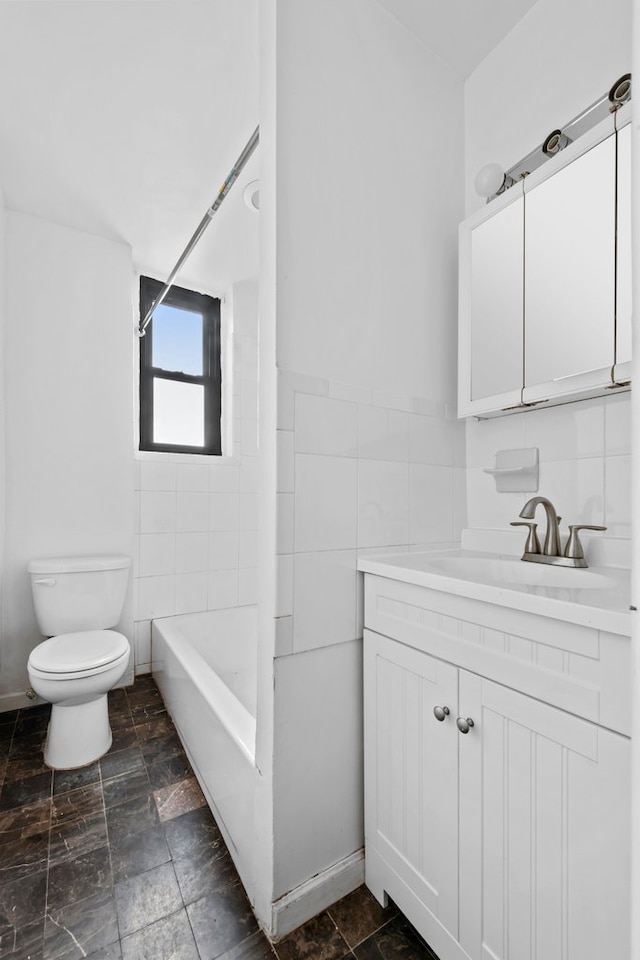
(78, 734)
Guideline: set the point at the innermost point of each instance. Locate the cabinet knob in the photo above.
(440, 712)
(464, 725)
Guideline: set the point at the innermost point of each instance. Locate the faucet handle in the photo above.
(533, 544)
(573, 548)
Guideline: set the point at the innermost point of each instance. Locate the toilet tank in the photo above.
(78, 593)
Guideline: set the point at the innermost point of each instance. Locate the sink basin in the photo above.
(503, 570)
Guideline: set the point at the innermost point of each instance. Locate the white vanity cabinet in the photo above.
(510, 840)
(545, 280)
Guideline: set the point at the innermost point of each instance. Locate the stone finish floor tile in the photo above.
(168, 939)
(358, 915)
(89, 869)
(318, 939)
(81, 927)
(179, 798)
(148, 897)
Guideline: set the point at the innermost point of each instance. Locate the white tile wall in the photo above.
(197, 517)
(325, 512)
(358, 469)
(585, 468)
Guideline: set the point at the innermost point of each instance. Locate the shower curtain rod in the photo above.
(202, 226)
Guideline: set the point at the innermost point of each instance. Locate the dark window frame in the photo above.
(211, 377)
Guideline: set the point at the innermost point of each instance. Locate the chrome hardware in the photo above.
(552, 537)
(573, 555)
(46, 581)
(464, 725)
(573, 549)
(533, 544)
(30, 693)
(441, 712)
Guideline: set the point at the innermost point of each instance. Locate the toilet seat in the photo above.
(75, 655)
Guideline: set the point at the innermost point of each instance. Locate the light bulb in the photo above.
(489, 179)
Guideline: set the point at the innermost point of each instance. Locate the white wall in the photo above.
(369, 457)
(196, 534)
(556, 62)
(69, 427)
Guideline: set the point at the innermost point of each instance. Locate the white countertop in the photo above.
(601, 600)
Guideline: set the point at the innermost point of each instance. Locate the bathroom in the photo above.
(374, 119)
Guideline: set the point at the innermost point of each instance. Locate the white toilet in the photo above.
(76, 599)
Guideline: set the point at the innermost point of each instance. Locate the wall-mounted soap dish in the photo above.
(516, 471)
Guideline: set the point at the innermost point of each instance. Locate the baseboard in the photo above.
(17, 701)
(315, 895)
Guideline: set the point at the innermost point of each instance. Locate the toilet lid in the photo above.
(71, 652)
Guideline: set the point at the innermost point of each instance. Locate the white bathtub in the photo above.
(205, 667)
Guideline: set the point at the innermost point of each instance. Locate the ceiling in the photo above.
(459, 32)
(124, 118)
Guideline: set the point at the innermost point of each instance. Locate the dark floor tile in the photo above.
(358, 915)
(123, 737)
(222, 921)
(66, 780)
(33, 721)
(133, 816)
(15, 793)
(25, 821)
(76, 804)
(126, 761)
(179, 798)
(23, 944)
(146, 898)
(118, 699)
(167, 939)
(169, 771)
(132, 854)
(192, 830)
(146, 705)
(112, 952)
(75, 880)
(134, 783)
(80, 929)
(119, 711)
(256, 947)
(23, 901)
(23, 856)
(318, 939)
(397, 940)
(78, 823)
(204, 871)
(27, 766)
(143, 681)
(158, 727)
(161, 748)
(32, 746)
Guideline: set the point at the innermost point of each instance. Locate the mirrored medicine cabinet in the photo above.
(545, 281)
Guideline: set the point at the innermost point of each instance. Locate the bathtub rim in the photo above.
(230, 711)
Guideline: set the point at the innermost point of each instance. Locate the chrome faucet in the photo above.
(573, 555)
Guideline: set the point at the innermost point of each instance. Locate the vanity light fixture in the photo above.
(491, 180)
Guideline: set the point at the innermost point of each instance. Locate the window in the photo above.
(180, 371)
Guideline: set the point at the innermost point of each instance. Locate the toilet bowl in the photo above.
(74, 672)
(76, 599)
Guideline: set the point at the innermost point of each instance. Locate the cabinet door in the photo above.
(411, 780)
(622, 371)
(544, 831)
(570, 276)
(491, 307)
